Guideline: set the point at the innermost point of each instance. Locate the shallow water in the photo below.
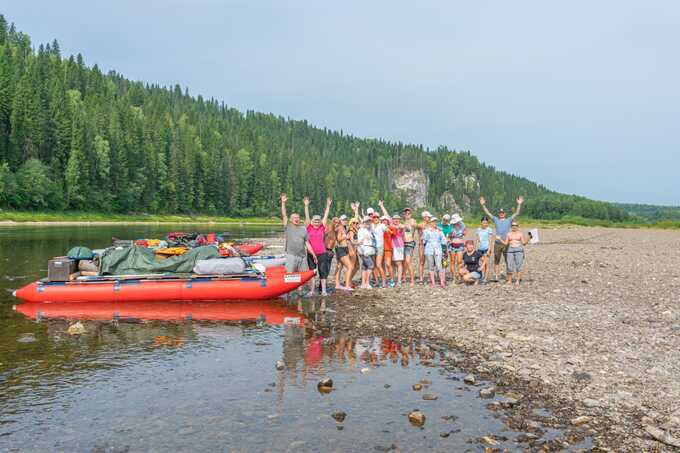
(161, 378)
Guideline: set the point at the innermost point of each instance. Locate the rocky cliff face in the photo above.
(461, 193)
(413, 185)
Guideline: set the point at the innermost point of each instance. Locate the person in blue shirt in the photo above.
(503, 225)
(485, 236)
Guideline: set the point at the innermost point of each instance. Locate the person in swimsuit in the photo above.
(342, 254)
(378, 230)
(515, 242)
(420, 229)
(398, 257)
(387, 241)
(456, 245)
(316, 230)
(409, 243)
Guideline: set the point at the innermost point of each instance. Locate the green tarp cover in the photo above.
(141, 260)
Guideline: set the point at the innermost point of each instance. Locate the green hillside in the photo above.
(73, 138)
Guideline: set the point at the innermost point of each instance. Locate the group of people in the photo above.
(390, 250)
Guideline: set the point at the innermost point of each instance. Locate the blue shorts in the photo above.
(456, 248)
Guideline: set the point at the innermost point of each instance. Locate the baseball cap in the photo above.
(370, 211)
(343, 217)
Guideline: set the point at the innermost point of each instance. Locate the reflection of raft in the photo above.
(163, 288)
(163, 311)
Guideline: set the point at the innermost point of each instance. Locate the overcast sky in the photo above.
(582, 96)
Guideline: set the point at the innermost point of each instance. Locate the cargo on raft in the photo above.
(134, 271)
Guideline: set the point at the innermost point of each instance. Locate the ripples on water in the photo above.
(203, 386)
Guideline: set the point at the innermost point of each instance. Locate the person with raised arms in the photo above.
(503, 225)
(316, 233)
(378, 230)
(297, 244)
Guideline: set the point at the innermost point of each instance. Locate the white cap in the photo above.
(456, 218)
(446, 217)
(343, 217)
(370, 211)
(433, 219)
(425, 214)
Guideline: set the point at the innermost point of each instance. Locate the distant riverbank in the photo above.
(89, 218)
(100, 218)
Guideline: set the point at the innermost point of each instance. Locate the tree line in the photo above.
(74, 138)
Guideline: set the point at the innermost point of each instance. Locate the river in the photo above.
(204, 376)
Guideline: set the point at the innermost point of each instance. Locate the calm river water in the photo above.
(186, 384)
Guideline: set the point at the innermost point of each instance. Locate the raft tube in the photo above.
(268, 312)
(272, 286)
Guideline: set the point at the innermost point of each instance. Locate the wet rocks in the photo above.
(325, 385)
(417, 387)
(469, 379)
(430, 397)
(280, 365)
(488, 392)
(365, 370)
(416, 418)
(339, 416)
(76, 328)
(662, 436)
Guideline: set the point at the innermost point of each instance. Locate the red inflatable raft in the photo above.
(273, 285)
(271, 313)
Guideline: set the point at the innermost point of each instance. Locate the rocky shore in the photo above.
(593, 334)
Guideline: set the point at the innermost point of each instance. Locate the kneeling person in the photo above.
(473, 261)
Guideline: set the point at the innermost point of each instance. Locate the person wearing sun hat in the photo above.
(366, 249)
(456, 245)
(433, 239)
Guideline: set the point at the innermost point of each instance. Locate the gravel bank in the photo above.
(593, 333)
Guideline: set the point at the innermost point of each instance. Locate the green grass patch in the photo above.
(582, 221)
(70, 216)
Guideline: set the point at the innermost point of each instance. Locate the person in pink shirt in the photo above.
(316, 233)
(397, 229)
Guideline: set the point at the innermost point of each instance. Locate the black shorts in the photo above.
(323, 266)
(341, 251)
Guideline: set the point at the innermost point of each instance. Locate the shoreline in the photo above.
(584, 336)
(12, 223)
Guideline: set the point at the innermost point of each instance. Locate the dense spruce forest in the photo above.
(74, 138)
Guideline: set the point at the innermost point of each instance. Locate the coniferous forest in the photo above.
(74, 138)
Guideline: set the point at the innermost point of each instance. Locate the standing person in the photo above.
(433, 239)
(398, 257)
(387, 221)
(420, 229)
(445, 226)
(379, 232)
(473, 262)
(393, 235)
(515, 242)
(354, 224)
(503, 226)
(342, 253)
(366, 251)
(316, 232)
(485, 235)
(456, 245)
(297, 242)
(409, 243)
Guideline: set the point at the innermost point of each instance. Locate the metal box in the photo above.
(60, 268)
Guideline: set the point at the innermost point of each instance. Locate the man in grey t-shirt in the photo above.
(503, 225)
(297, 244)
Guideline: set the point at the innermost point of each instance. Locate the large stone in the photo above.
(339, 416)
(430, 397)
(280, 365)
(582, 420)
(469, 379)
(416, 418)
(589, 402)
(76, 328)
(488, 392)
